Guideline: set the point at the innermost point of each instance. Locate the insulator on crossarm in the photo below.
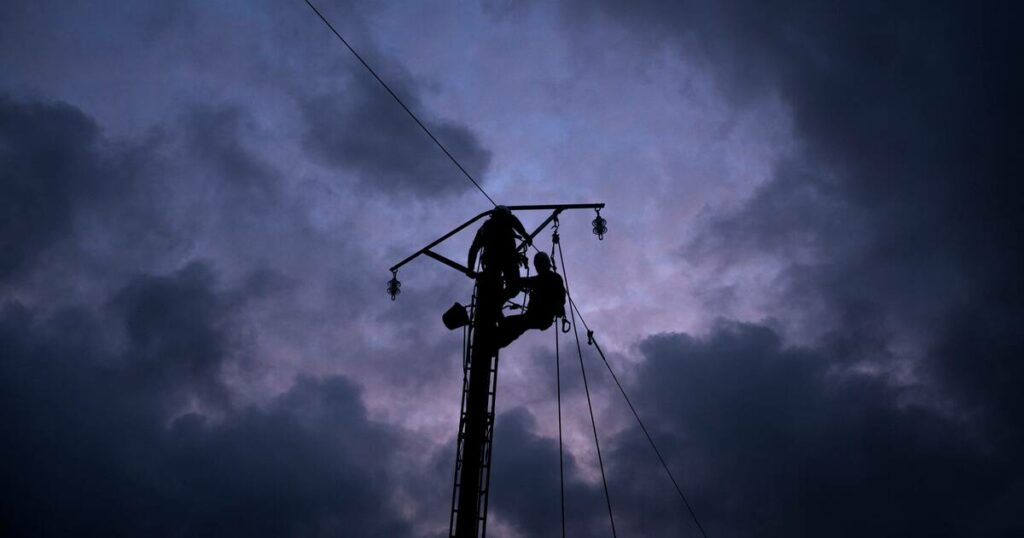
(394, 286)
(600, 225)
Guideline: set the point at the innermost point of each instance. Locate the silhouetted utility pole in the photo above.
(480, 368)
(480, 357)
(476, 428)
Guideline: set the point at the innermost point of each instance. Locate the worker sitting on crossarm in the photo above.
(547, 302)
(497, 238)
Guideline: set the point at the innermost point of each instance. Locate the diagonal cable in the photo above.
(586, 388)
(593, 341)
(400, 103)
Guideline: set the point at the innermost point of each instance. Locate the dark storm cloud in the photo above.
(364, 131)
(903, 188)
(128, 206)
(770, 440)
(138, 438)
(214, 135)
(119, 415)
(128, 369)
(48, 159)
(897, 223)
(115, 207)
(173, 326)
(525, 483)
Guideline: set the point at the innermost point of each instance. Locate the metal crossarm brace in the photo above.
(447, 261)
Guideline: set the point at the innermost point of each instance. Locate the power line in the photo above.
(593, 341)
(400, 103)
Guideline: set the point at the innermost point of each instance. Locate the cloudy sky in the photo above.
(810, 287)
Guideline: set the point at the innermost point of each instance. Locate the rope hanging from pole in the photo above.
(593, 341)
(558, 393)
(586, 389)
(558, 386)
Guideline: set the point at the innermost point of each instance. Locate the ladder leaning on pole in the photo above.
(485, 464)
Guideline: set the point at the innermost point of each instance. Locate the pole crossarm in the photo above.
(556, 208)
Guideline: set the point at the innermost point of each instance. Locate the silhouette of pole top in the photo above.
(555, 208)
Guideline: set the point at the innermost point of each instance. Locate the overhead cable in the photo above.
(593, 341)
(402, 104)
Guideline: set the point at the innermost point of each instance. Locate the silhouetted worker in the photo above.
(547, 302)
(497, 238)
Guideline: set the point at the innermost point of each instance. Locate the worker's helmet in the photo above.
(501, 212)
(541, 261)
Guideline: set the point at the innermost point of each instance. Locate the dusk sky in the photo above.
(811, 284)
